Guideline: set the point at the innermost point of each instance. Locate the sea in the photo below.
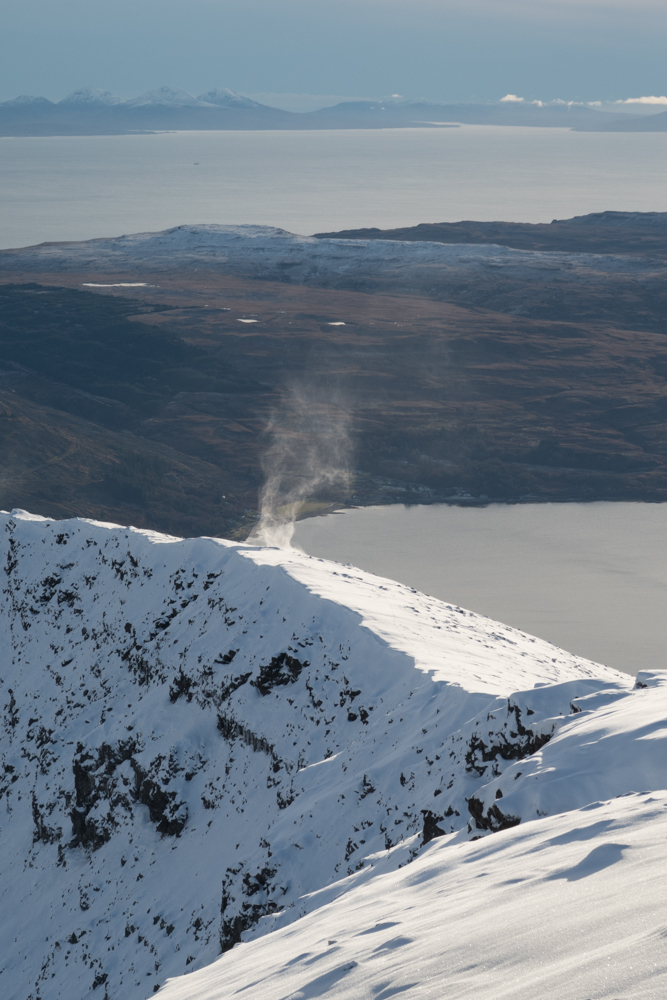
(589, 577)
(82, 187)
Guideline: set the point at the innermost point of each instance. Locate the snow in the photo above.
(618, 745)
(26, 100)
(228, 99)
(274, 254)
(87, 97)
(206, 744)
(171, 97)
(564, 909)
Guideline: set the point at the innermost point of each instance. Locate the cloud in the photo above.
(513, 99)
(643, 100)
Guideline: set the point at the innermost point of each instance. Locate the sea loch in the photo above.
(83, 187)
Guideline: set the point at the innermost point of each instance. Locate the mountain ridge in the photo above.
(88, 111)
(635, 233)
(176, 713)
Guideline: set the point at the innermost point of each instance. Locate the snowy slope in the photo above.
(226, 98)
(203, 740)
(89, 97)
(567, 908)
(171, 97)
(274, 254)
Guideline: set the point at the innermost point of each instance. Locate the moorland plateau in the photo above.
(466, 362)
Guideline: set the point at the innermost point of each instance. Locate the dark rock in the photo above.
(494, 820)
(431, 829)
(281, 670)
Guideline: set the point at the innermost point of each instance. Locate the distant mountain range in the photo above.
(171, 97)
(95, 112)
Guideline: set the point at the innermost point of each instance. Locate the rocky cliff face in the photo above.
(195, 735)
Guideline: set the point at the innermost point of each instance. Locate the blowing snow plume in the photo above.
(308, 458)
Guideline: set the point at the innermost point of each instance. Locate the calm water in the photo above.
(591, 578)
(80, 187)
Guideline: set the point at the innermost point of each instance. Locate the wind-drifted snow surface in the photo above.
(203, 742)
(572, 908)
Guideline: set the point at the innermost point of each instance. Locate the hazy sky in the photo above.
(439, 49)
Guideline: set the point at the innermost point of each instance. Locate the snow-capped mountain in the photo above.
(90, 97)
(228, 99)
(166, 96)
(170, 107)
(203, 742)
(173, 97)
(27, 101)
(88, 111)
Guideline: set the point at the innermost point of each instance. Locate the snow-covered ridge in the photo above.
(274, 254)
(166, 97)
(90, 97)
(203, 741)
(172, 97)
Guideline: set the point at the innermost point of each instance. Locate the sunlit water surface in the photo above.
(591, 578)
(81, 187)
